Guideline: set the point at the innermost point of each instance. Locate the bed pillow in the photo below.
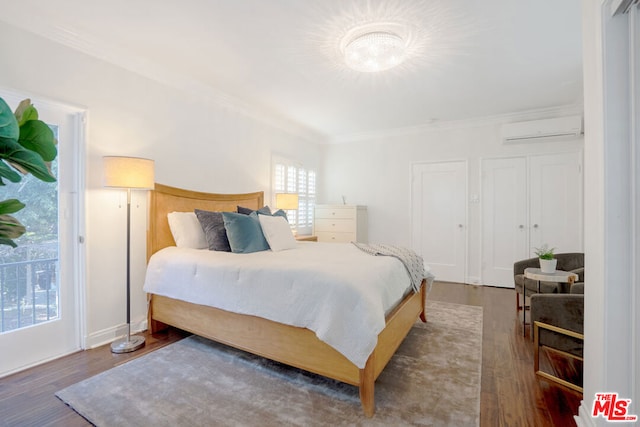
(186, 230)
(281, 213)
(278, 233)
(265, 210)
(244, 232)
(214, 231)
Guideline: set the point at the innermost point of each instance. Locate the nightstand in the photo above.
(307, 238)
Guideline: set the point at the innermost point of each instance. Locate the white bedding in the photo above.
(336, 290)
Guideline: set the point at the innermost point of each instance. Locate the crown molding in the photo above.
(438, 125)
(120, 57)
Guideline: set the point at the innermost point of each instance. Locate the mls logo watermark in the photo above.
(612, 408)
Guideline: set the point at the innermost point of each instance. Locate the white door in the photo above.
(439, 230)
(504, 218)
(39, 280)
(555, 182)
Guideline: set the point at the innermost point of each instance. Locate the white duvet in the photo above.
(336, 290)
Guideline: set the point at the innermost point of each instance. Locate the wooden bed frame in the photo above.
(298, 347)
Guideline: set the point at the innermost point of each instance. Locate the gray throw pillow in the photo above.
(281, 213)
(214, 232)
(246, 211)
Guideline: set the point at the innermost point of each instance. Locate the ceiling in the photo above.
(474, 58)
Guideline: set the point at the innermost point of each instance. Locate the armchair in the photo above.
(558, 322)
(573, 262)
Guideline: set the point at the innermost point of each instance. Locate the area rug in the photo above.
(432, 380)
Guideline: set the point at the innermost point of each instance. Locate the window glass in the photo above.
(291, 177)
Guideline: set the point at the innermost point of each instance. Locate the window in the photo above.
(29, 288)
(291, 177)
(40, 281)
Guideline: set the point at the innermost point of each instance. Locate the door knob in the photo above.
(460, 226)
(535, 225)
(521, 226)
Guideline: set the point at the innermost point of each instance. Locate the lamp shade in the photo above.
(128, 172)
(286, 201)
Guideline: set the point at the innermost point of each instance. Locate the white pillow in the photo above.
(186, 230)
(278, 233)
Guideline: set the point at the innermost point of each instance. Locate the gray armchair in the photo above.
(573, 262)
(558, 322)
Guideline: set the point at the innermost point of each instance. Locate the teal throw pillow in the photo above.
(244, 233)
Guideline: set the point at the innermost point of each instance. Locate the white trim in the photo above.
(39, 362)
(634, 83)
(621, 6)
(584, 418)
(80, 253)
(618, 305)
(68, 107)
(108, 335)
(542, 113)
(472, 280)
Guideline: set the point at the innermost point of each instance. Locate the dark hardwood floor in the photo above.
(511, 393)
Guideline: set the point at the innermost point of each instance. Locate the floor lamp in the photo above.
(130, 173)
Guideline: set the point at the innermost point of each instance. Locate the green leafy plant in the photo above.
(27, 145)
(544, 252)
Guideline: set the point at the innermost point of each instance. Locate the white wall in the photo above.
(377, 172)
(611, 211)
(197, 143)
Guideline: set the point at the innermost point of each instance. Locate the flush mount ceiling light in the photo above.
(374, 47)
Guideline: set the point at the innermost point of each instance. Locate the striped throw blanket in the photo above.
(411, 260)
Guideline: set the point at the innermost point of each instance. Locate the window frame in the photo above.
(290, 181)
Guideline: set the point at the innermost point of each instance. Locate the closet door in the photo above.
(555, 183)
(438, 218)
(528, 202)
(504, 218)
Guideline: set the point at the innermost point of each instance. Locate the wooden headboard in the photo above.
(165, 199)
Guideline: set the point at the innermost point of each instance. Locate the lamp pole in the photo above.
(130, 173)
(129, 343)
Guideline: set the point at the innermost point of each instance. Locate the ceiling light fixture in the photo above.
(372, 48)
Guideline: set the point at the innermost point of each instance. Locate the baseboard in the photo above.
(107, 336)
(584, 418)
(39, 362)
(472, 280)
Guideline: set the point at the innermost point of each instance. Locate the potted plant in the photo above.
(27, 145)
(547, 261)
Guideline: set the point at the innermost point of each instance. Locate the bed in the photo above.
(295, 346)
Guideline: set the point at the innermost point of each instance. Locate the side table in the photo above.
(536, 274)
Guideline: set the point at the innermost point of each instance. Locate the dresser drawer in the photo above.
(340, 223)
(325, 236)
(339, 213)
(343, 225)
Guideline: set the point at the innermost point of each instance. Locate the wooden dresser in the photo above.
(340, 223)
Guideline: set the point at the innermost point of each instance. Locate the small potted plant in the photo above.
(547, 261)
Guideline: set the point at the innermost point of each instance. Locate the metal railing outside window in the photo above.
(29, 293)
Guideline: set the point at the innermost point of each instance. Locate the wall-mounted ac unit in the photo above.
(540, 129)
